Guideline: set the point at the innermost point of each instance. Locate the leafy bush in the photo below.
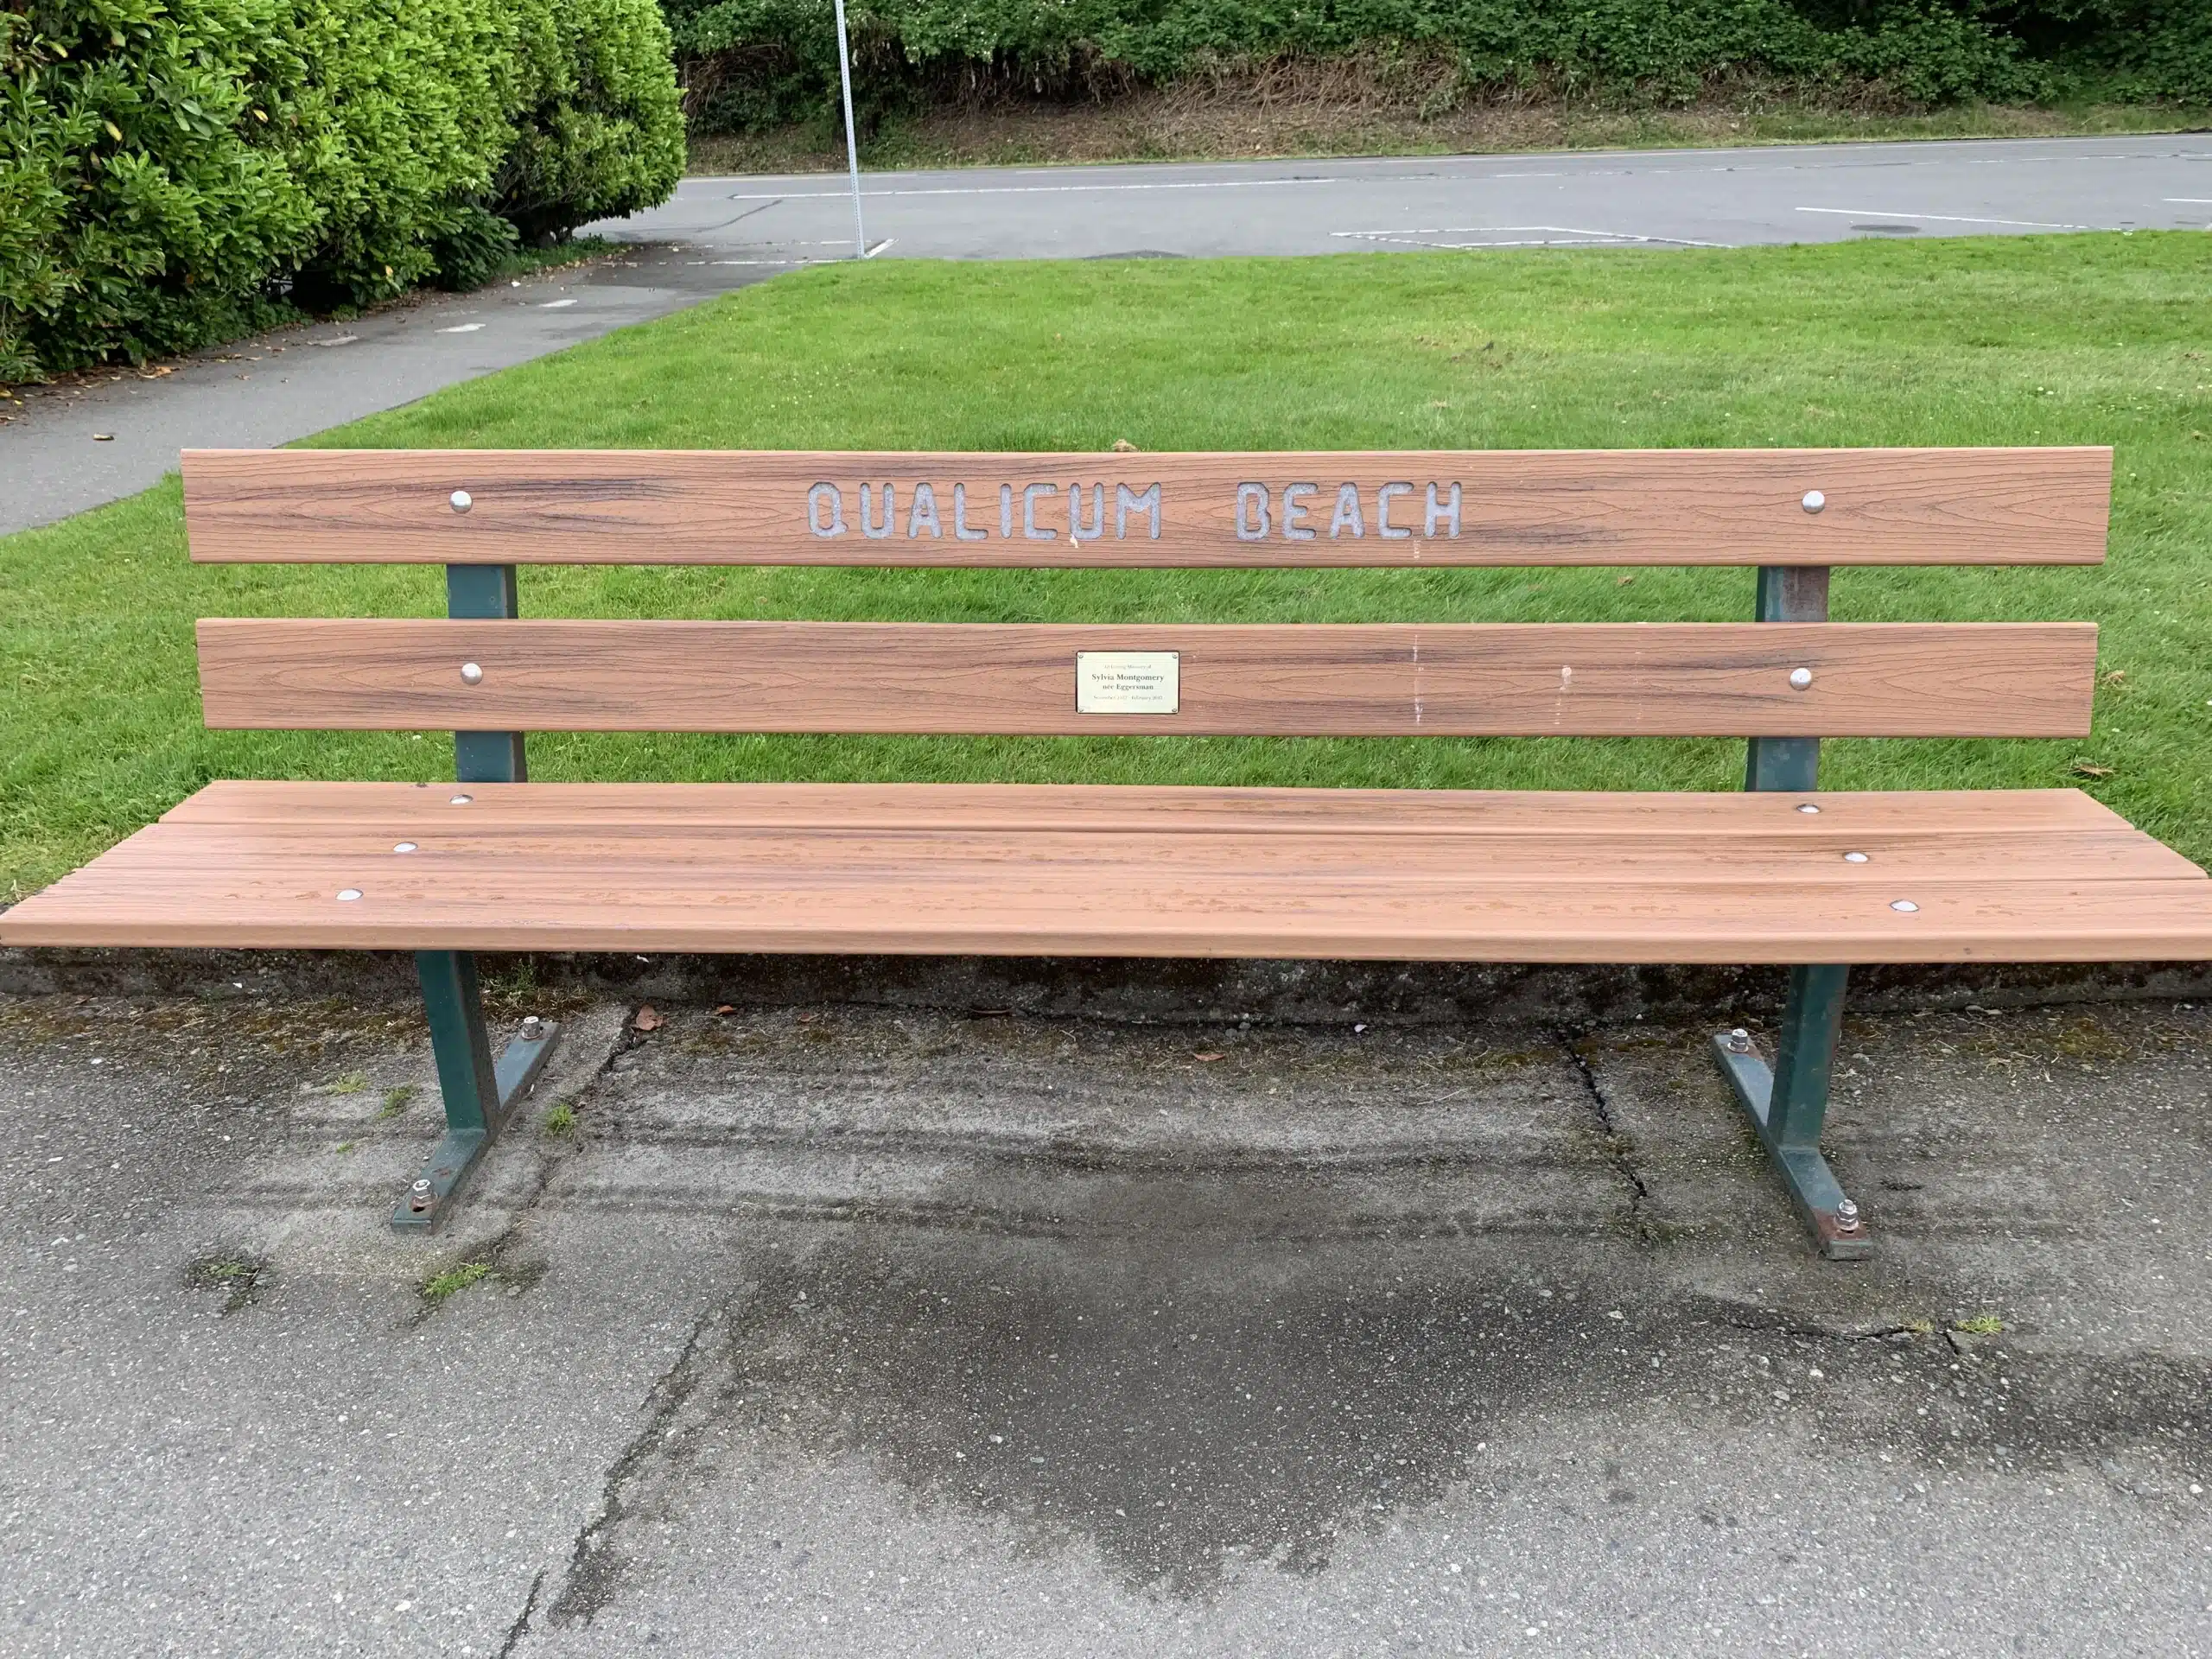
(2138, 49)
(750, 64)
(470, 250)
(169, 167)
(602, 129)
(144, 195)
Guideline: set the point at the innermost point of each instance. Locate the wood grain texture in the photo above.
(1846, 819)
(1658, 879)
(1651, 679)
(1537, 507)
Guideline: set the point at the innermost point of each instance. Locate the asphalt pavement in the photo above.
(951, 1314)
(1682, 199)
(77, 446)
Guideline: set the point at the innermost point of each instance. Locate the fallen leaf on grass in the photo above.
(724, 1008)
(1205, 1057)
(649, 1019)
(2089, 769)
(2118, 676)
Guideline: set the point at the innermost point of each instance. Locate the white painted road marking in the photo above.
(1946, 218)
(1546, 236)
(462, 328)
(1040, 189)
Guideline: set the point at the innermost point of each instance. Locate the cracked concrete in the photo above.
(845, 1329)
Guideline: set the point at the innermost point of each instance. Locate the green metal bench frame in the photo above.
(1786, 1101)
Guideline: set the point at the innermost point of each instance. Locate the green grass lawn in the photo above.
(2064, 339)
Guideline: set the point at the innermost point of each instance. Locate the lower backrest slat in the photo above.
(1603, 679)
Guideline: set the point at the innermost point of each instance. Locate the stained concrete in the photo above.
(840, 1327)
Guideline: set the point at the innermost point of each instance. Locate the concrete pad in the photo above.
(858, 1330)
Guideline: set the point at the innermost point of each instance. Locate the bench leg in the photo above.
(478, 1092)
(1788, 1103)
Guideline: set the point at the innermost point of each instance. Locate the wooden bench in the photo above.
(1779, 873)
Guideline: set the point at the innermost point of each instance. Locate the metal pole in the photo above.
(852, 145)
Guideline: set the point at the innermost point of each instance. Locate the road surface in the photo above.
(76, 448)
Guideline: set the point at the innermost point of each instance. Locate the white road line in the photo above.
(1039, 190)
(1548, 235)
(462, 328)
(2186, 198)
(554, 305)
(1946, 218)
(878, 247)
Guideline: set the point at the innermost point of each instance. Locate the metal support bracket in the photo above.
(1788, 1102)
(454, 1160)
(1812, 1184)
(478, 1091)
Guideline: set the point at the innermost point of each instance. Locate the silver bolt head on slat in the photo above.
(1739, 1041)
(1854, 858)
(1814, 501)
(1905, 905)
(1846, 1216)
(1801, 678)
(472, 674)
(461, 500)
(1809, 807)
(348, 895)
(460, 800)
(404, 846)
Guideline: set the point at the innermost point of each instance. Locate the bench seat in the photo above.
(1107, 870)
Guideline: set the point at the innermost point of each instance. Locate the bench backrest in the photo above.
(1789, 676)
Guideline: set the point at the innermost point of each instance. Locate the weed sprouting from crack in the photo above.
(502, 1260)
(397, 1100)
(455, 1279)
(235, 1271)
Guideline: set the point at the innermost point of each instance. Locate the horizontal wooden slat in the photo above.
(1535, 507)
(1697, 890)
(1654, 679)
(1844, 819)
(910, 860)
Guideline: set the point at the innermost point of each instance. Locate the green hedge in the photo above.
(756, 63)
(168, 168)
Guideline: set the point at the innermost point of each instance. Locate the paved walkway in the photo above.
(717, 234)
(83, 444)
(850, 1330)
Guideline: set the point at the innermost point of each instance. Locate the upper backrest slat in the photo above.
(1447, 507)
